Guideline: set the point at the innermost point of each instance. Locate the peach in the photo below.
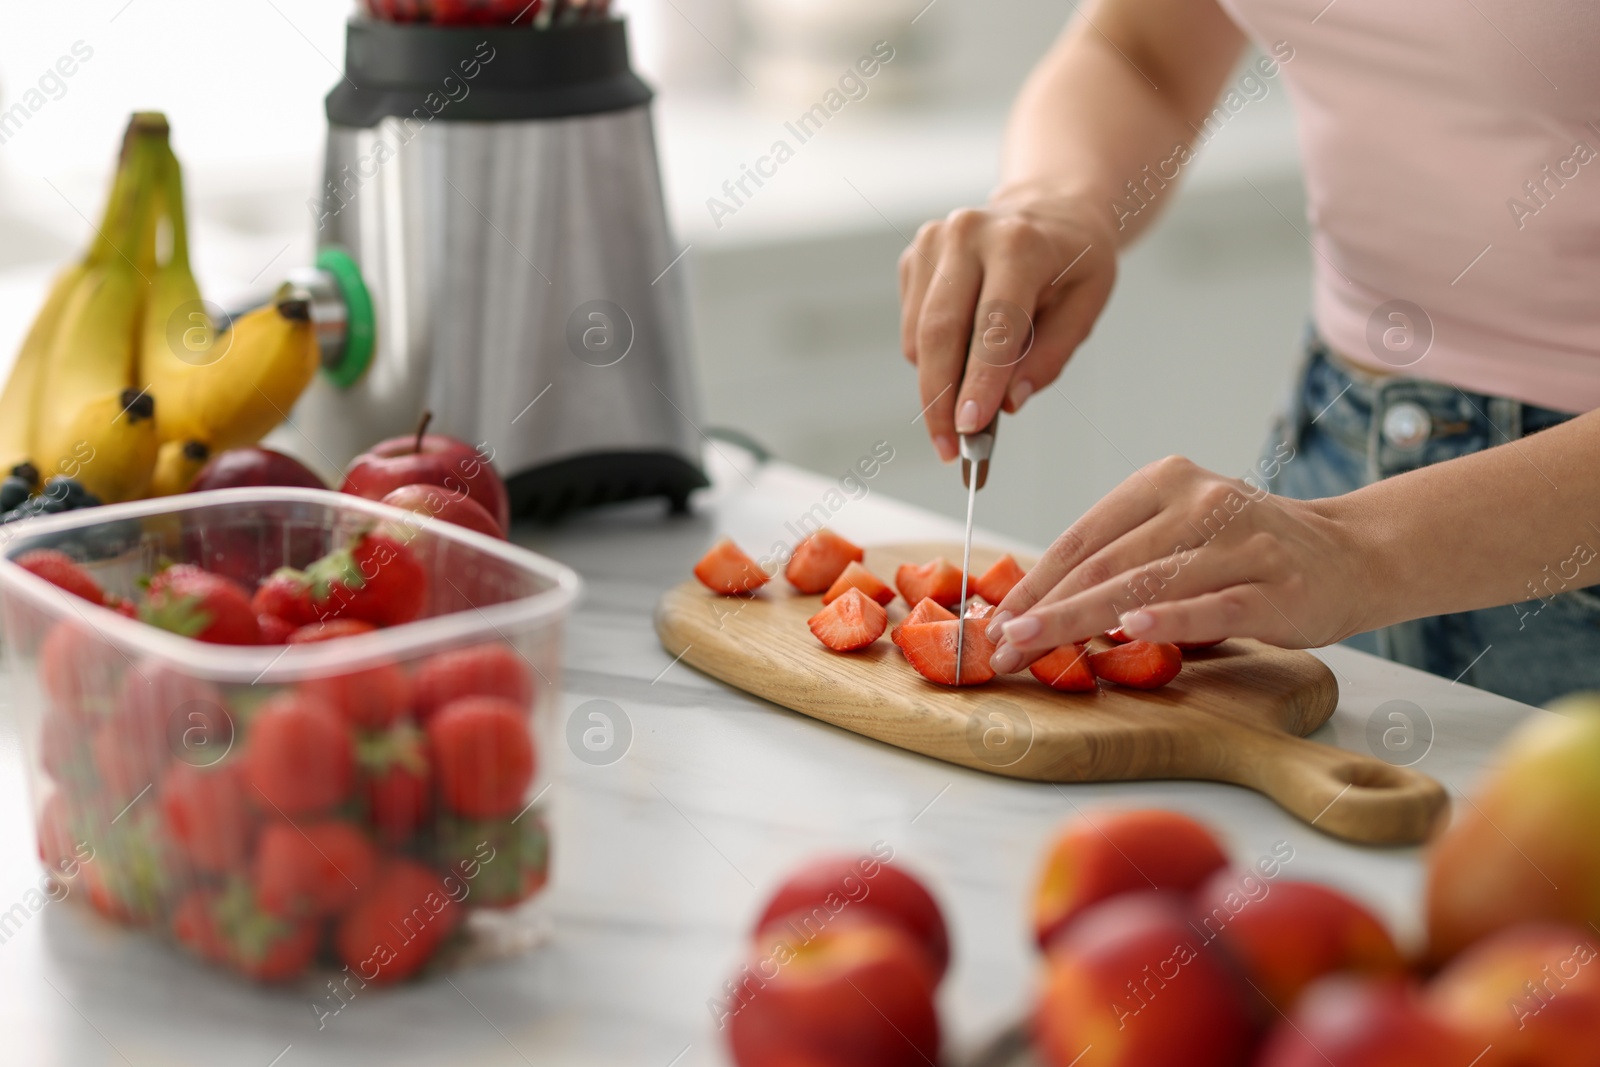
(1346, 1021)
(857, 994)
(1285, 935)
(1117, 852)
(1529, 995)
(1524, 848)
(812, 897)
(1130, 985)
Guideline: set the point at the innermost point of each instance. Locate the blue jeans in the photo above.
(1336, 425)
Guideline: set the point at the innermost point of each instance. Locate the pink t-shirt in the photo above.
(1452, 161)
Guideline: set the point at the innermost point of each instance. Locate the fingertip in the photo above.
(1005, 659)
(968, 417)
(997, 624)
(1138, 624)
(1021, 390)
(945, 445)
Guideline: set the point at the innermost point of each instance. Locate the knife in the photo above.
(975, 449)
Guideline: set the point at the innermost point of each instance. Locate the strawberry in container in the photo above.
(277, 777)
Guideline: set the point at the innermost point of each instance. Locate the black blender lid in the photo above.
(482, 73)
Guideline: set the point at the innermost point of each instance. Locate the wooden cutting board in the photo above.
(1235, 714)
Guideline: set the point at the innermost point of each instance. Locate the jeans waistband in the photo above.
(1402, 423)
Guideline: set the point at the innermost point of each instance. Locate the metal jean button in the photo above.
(1407, 426)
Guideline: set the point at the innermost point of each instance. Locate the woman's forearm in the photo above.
(1514, 523)
(1122, 90)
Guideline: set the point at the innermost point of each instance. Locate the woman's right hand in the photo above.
(1017, 285)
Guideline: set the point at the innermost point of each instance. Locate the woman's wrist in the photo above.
(1372, 550)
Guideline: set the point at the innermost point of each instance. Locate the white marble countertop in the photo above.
(664, 856)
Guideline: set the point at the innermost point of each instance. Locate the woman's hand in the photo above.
(1176, 553)
(1018, 285)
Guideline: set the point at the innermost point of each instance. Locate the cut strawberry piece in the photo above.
(61, 571)
(978, 609)
(728, 571)
(1138, 664)
(997, 581)
(925, 611)
(938, 580)
(849, 623)
(819, 560)
(931, 648)
(1067, 668)
(856, 576)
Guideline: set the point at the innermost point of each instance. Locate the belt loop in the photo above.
(1380, 405)
(1509, 416)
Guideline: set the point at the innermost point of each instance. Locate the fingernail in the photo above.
(996, 621)
(1005, 660)
(967, 417)
(1022, 630)
(1020, 392)
(945, 445)
(1137, 623)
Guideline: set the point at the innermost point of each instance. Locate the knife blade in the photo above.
(975, 449)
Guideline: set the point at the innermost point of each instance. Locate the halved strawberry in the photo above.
(60, 570)
(819, 560)
(938, 580)
(728, 571)
(849, 623)
(1067, 668)
(997, 581)
(931, 648)
(925, 611)
(1138, 664)
(856, 576)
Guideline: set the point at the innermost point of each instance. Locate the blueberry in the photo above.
(13, 491)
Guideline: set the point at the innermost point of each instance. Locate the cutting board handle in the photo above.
(1344, 793)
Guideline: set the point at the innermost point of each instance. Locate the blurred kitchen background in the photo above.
(795, 309)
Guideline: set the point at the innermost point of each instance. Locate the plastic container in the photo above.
(278, 809)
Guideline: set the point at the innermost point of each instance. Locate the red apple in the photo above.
(254, 466)
(1102, 855)
(429, 459)
(826, 888)
(857, 994)
(1130, 984)
(1285, 935)
(1345, 1021)
(437, 502)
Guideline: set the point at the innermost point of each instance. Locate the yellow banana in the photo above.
(114, 446)
(178, 333)
(16, 401)
(90, 360)
(267, 358)
(177, 463)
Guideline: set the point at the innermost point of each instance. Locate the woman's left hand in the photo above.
(1177, 553)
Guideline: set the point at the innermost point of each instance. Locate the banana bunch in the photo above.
(216, 388)
(68, 406)
(124, 382)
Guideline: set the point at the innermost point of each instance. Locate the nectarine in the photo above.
(859, 994)
(1117, 852)
(1525, 848)
(1345, 1021)
(826, 887)
(1131, 985)
(1285, 935)
(1529, 994)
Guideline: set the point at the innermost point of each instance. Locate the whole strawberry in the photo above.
(483, 756)
(398, 923)
(312, 870)
(300, 759)
(396, 781)
(60, 570)
(375, 579)
(201, 605)
(491, 670)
